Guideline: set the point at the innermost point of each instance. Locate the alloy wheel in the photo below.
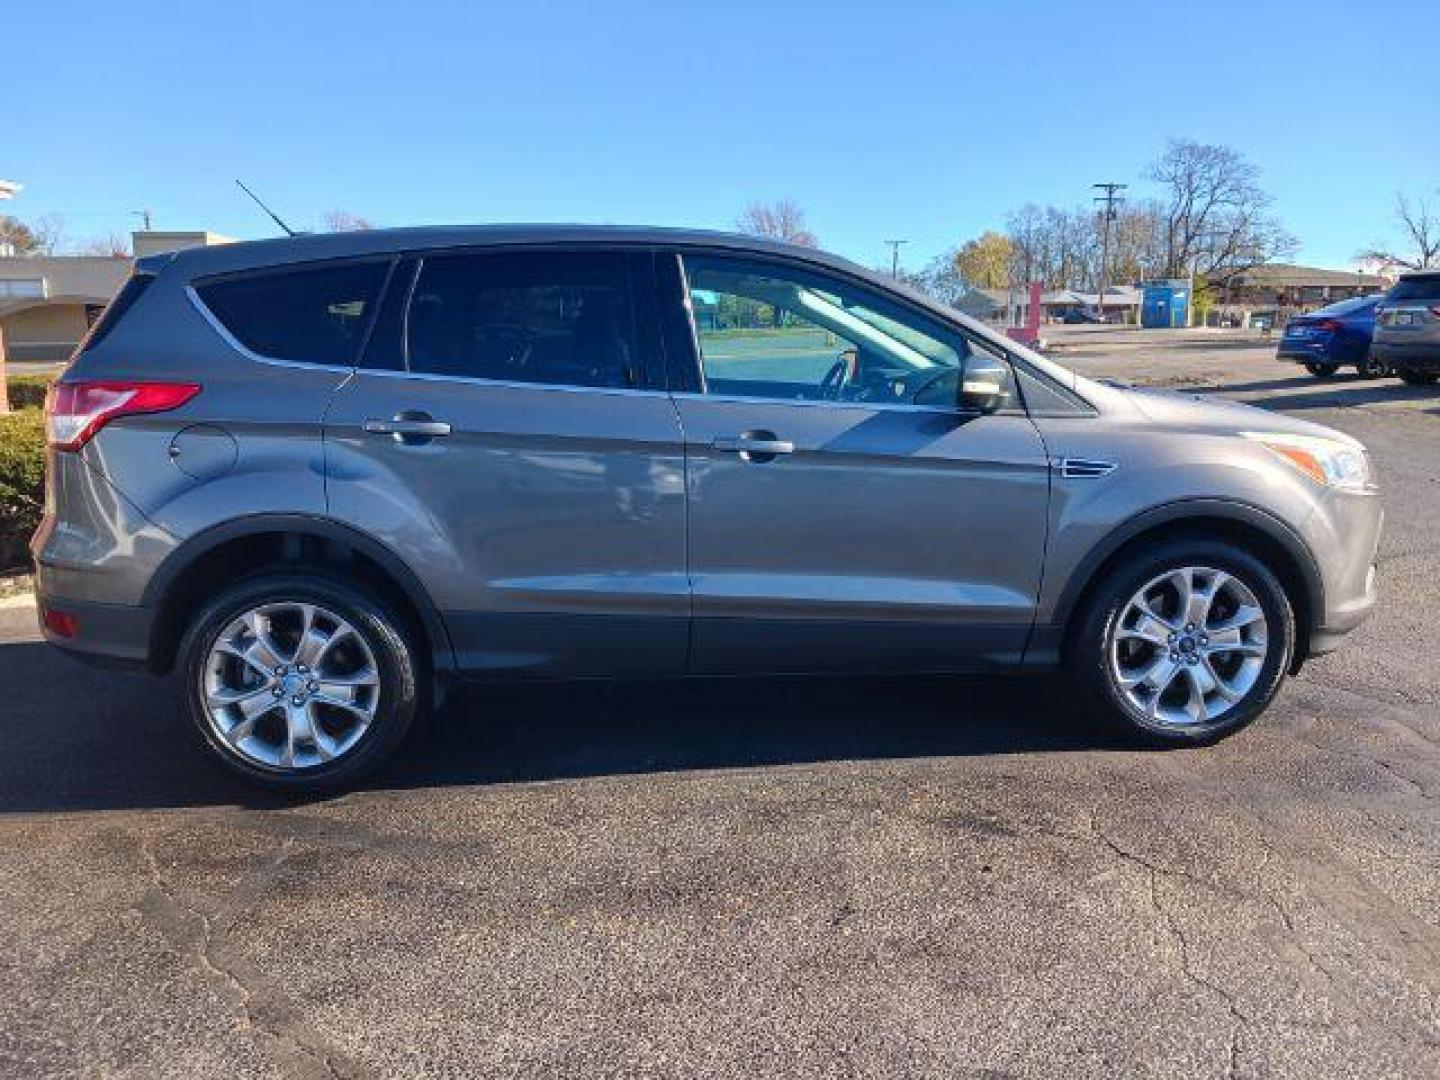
(290, 686)
(1188, 646)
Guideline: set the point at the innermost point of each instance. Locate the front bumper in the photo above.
(1345, 534)
(1328, 636)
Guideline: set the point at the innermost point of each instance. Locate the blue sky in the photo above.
(927, 121)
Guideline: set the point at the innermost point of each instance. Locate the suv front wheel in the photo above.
(1188, 643)
(298, 681)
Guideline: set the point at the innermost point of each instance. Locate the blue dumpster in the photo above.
(1165, 304)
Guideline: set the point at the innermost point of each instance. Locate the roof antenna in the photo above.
(273, 216)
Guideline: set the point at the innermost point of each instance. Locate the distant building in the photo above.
(1010, 307)
(1283, 285)
(48, 302)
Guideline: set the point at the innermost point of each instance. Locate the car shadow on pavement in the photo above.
(1327, 393)
(83, 740)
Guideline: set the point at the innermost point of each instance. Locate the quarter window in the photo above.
(768, 330)
(315, 315)
(560, 318)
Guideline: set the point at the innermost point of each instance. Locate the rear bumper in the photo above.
(111, 635)
(1409, 357)
(1300, 352)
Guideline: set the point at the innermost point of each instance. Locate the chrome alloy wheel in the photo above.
(290, 686)
(1188, 646)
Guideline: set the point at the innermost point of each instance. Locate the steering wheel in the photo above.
(840, 375)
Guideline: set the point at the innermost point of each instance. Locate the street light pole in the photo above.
(895, 257)
(1107, 216)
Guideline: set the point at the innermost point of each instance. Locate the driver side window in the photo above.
(766, 330)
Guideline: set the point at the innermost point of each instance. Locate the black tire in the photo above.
(1417, 378)
(1323, 371)
(1089, 648)
(397, 663)
(1373, 368)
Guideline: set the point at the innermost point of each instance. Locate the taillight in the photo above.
(1328, 324)
(60, 623)
(1435, 309)
(75, 411)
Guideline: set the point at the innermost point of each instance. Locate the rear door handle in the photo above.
(409, 428)
(754, 445)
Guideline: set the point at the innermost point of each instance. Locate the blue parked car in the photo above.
(1327, 339)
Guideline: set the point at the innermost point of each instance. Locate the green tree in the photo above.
(984, 263)
(17, 238)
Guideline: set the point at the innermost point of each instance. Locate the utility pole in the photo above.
(144, 216)
(895, 257)
(1106, 217)
(8, 190)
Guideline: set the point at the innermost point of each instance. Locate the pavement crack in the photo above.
(264, 1011)
(1182, 942)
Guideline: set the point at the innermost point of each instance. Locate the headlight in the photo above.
(1328, 462)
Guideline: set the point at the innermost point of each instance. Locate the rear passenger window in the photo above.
(316, 315)
(559, 318)
(1425, 287)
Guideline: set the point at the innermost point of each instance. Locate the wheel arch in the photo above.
(229, 551)
(1255, 529)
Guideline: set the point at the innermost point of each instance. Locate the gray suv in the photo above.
(323, 478)
(1407, 328)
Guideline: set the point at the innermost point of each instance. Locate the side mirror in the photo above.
(984, 384)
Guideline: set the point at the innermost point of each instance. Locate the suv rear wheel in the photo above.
(1373, 368)
(1322, 370)
(1188, 643)
(298, 681)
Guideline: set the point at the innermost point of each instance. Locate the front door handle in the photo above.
(409, 428)
(757, 446)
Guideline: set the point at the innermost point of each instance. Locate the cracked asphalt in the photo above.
(759, 878)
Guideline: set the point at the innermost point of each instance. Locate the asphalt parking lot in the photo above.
(761, 878)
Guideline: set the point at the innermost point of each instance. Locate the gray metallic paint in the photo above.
(551, 530)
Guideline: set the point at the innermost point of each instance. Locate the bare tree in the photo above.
(1031, 244)
(1214, 211)
(942, 278)
(345, 221)
(49, 230)
(1420, 224)
(113, 245)
(781, 220)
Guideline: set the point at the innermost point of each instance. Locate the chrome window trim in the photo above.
(862, 406)
(510, 384)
